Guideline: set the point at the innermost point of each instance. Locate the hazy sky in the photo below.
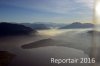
(60, 11)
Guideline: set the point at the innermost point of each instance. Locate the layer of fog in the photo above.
(63, 44)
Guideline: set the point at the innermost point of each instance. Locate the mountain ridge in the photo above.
(76, 25)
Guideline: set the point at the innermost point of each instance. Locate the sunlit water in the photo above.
(75, 45)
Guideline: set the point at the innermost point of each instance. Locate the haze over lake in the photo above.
(36, 50)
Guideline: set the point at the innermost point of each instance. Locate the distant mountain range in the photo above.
(7, 29)
(36, 26)
(78, 25)
(26, 28)
(43, 25)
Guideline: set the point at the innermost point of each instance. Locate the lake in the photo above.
(37, 50)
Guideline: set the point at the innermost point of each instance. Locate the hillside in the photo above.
(14, 29)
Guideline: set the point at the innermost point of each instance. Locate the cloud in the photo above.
(65, 6)
(54, 6)
(88, 3)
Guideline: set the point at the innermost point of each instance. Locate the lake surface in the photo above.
(47, 44)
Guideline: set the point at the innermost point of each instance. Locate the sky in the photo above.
(57, 11)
